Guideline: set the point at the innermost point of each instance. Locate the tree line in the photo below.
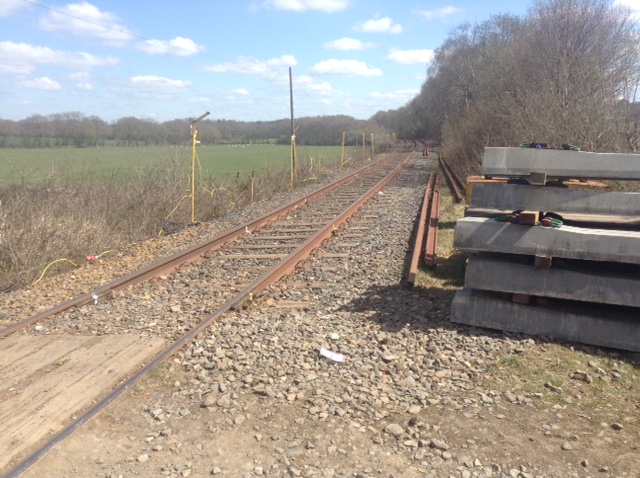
(567, 72)
(75, 129)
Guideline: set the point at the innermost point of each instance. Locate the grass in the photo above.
(62, 204)
(612, 396)
(448, 275)
(30, 166)
(159, 371)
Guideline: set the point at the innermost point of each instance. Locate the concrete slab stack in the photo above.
(578, 282)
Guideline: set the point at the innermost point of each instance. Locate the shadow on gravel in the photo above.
(427, 310)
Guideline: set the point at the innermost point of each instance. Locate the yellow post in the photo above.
(344, 133)
(252, 183)
(373, 148)
(194, 134)
(364, 146)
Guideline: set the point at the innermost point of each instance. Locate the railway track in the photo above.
(210, 279)
(456, 184)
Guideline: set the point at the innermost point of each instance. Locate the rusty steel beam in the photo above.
(456, 185)
(420, 233)
(431, 246)
(286, 266)
(175, 261)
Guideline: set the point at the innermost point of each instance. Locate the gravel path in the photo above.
(403, 393)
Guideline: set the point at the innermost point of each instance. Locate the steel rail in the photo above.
(455, 183)
(287, 265)
(174, 261)
(416, 250)
(431, 245)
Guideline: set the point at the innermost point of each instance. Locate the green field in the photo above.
(30, 166)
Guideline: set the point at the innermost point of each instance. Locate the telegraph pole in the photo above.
(294, 160)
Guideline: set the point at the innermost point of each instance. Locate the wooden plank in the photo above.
(253, 256)
(47, 379)
(260, 246)
(279, 238)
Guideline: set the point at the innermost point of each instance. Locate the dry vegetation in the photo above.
(69, 219)
(567, 72)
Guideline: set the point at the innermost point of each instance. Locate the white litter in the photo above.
(332, 355)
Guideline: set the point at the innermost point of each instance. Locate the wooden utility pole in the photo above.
(344, 134)
(364, 145)
(294, 159)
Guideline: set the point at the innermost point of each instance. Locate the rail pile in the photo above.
(554, 257)
(426, 239)
(455, 183)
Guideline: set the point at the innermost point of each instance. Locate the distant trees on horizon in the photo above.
(75, 129)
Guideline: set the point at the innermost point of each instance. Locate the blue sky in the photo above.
(167, 59)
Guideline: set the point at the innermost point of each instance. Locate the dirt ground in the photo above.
(549, 410)
(499, 405)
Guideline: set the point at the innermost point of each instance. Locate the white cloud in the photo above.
(8, 7)
(382, 25)
(633, 5)
(408, 57)
(85, 19)
(345, 67)
(273, 68)
(43, 83)
(200, 99)
(328, 6)
(308, 84)
(396, 95)
(158, 86)
(440, 13)
(80, 76)
(22, 58)
(346, 44)
(241, 91)
(179, 46)
(84, 86)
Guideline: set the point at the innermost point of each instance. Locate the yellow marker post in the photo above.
(194, 135)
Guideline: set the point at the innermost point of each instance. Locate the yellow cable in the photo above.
(50, 265)
(178, 205)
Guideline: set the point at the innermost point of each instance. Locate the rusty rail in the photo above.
(431, 245)
(414, 260)
(456, 185)
(173, 262)
(287, 265)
